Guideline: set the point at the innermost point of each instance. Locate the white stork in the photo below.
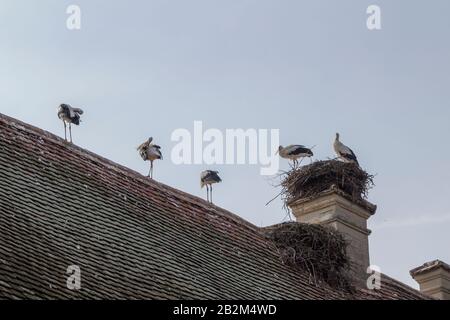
(151, 152)
(343, 152)
(294, 152)
(69, 115)
(208, 178)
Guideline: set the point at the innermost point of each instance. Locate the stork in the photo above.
(294, 152)
(151, 152)
(208, 178)
(343, 152)
(69, 115)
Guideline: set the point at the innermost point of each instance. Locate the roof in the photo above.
(429, 266)
(132, 237)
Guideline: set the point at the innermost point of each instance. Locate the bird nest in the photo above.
(320, 176)
(318, 250)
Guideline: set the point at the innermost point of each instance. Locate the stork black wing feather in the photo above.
(76, 119)
(350, 156)
(299, 150)
(212, 175)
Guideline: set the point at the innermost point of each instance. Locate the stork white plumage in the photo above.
(150, 152)
(294, 152)
(69, 115)
(343, 152)
(208, 178)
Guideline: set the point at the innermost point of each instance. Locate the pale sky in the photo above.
(308, 68)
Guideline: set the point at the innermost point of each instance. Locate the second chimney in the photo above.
(332, 208)
(434, 279)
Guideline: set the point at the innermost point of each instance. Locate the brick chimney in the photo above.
(335, 209)
(434, 279)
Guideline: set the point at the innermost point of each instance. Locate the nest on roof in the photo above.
(313, 179)
(318, 250)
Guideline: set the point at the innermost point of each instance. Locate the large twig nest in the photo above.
(320, 176)
(316, 249)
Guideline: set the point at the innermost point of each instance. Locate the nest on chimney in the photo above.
(320, 176)
(316, 249)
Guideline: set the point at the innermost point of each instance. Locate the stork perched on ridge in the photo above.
(294, 152)
(343, 152)
(208, 178)
(69, 115)
(151, 152)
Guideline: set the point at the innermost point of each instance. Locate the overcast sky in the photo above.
(308, 68)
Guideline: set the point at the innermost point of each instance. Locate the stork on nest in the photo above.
(343, 152)
(294, 152)
(345, 175)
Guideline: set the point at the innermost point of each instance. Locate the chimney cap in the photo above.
(370, 207)
(429, 266)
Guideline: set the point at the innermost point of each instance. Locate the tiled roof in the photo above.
(132, 237)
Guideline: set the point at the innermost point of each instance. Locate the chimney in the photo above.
(434, 279)
(335, 209)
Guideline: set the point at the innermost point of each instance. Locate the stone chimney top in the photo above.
(433, 278)
(332, 193)
(331, 208)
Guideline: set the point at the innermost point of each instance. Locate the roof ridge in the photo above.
(128, 172)
(404, 286)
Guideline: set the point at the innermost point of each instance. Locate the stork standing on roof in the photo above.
(294, 152)
(208, 178)
(151, 152)
(343, 152)
(69, 115)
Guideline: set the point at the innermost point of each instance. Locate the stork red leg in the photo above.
(65, 130)
(150, 171)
